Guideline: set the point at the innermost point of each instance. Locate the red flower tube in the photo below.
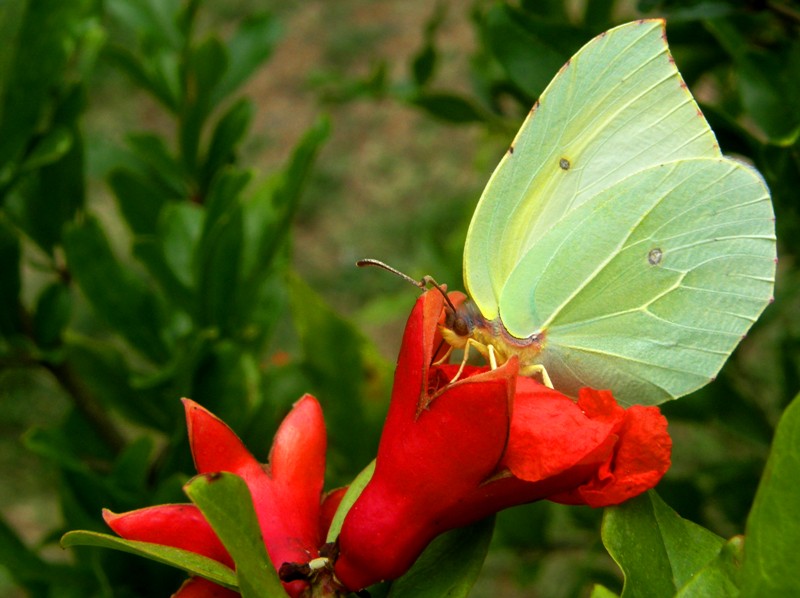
(451, 454)
(287, 494)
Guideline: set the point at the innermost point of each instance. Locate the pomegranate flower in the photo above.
(453, 453)
(287, 495)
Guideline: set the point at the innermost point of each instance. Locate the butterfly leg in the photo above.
(537, 369)
(463, 361)
(444, 357)
(485, 350)
(492, 357)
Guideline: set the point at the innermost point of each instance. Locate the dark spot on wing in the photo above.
(564, 164)
(654, 256)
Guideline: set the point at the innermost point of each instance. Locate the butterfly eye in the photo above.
(461, 326)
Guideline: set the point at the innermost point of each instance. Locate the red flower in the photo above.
(451, 454)
(286, 494)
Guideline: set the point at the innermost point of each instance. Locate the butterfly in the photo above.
(614, 246)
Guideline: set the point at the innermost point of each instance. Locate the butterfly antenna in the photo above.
(422, 284)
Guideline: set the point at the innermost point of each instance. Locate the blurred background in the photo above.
(185, 186)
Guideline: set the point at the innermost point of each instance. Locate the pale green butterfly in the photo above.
(614, 246)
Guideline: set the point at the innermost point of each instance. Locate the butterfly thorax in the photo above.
(468, 326)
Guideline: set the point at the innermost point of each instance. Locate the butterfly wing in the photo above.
(617, 107)
(647, 287)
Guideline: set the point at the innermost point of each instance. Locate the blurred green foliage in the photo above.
(190, 307)
(193, 296)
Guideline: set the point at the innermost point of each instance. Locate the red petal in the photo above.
(215, 447)
(640, 458)
(197, 587)
(428, 459)
(550, 433)
(288, 501)
(286, 494)
(179, 526)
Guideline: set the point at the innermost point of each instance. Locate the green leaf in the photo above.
(140, 200)
(179, 230)
(248, 48)
(158, 74)
(449, 566)
(40, 40)
(55, 192)
(10, 255)
(773, 528)
(115, 293)
(106, 374)
(767, 82)
(154, 19)
(270, 213)
(50, 148)
(24, 565)
(218, 255)
(423, 64)
(448, 107)
(226, 382)
(227, 135)
(657, 550)
(226, 503)
(132, 467)
(190, 562)
(205, 68)
(52, 314)
(354, 490)
(599, 591)
(158, 164)
(334, 362)
(530, 48)
(719, 578)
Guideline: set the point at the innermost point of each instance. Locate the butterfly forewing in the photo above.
(619, 106)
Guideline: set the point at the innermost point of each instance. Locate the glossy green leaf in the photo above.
(720, 578)
(354, 490)
(449, 566)
(190, 562)
(773, 527)
(657, 550)
(251, 44)
(599, 591)
(226, 503)
(116, 294)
